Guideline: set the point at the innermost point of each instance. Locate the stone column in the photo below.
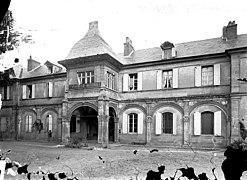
(65, 123)
(149, 120)
(116, 129)
(186, 123)
(234, 121)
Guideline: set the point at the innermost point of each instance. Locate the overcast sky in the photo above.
(57, 24)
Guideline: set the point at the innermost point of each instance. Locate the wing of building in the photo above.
(170, 95)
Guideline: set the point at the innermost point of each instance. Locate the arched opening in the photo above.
(84, 123)
(111, 126)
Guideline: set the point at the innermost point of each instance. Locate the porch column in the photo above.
(103, 120)
(235, 117)
(116, 127)
(65, 123)
(186, 124)
(149, 131)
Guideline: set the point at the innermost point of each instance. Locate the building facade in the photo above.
(172, 95)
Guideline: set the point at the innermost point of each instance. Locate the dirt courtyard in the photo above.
(116, 162)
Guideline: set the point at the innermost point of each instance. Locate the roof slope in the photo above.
(188, 49)
(91, 44)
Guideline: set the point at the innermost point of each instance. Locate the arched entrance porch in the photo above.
(84, 123)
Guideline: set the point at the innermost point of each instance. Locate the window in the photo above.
(167, 79)
(168, 123)
(73, 124)
(133, 123)
(133, 82)
(29, 123)
(5, 92)
(207, 75)
(49, 122)
(3, 124)
(110, 80)
(207, 122)
(85, 77)
(49, 89)
(29, 91)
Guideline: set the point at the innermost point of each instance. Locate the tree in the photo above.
(4, 7)
(8, 35)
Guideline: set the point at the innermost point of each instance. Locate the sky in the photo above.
(56, 25)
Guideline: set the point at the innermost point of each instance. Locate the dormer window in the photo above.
(168, 50)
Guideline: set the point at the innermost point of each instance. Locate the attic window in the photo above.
(50, 69)
(168, 50)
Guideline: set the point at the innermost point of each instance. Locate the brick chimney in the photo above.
(128, 48)
(31, 64)
(168, 50)
(230, 31)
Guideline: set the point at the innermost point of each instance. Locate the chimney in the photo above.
(128, 48)
(93, 29)
(31, 64)
(168, 50)
(230, 31)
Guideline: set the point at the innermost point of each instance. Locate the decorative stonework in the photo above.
(191, 103)
(186, 118)
(149, 119)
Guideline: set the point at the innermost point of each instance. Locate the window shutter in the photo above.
(26, 124)
(159, 79)
(30, 123)
(217, 123)
(175, 78)
(217, 74)
(8, 91)
(125, 82)
(139, 81)
(33, 90)
(78, 124)
(174, 118)
(125, 123)
(158, 123)
(79, 79)
(50, 84)
(140, 123)
(197, 123)
(24, 92)
(198, 76)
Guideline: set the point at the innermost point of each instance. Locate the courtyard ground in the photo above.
(116, 162)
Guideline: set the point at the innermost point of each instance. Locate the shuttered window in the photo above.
(207, 122)
(49, 122)
(207, 75)
(167, 79)
(133, 122)
(29, 123)
(167, 123)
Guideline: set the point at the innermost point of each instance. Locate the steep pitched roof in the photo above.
(91, 44)
(188, 49)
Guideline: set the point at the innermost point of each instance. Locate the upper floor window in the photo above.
(5, 92)
(133, 122)
(49, 86)
(133, 83)
(207, 75)
(110, 80)
(168, 123)
(167, 79)
(85, 77)
(29, 123)
(28, 91)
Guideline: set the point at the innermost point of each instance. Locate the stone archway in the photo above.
(84, 124)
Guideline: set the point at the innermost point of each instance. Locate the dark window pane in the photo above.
(168, 123)
(207, 122)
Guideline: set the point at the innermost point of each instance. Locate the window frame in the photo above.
(132, 126)
(166, 130)
(212, 123)
(86, 76)
(28, 123)
(167, 80)
(110, 83)
(133, 79)
(209, 81)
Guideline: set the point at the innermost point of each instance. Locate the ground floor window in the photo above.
(207, 122)
(133, 123)
(29, 123)
(49, 121)
(168, 123)
(3, 124)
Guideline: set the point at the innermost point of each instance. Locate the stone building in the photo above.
(172, 95)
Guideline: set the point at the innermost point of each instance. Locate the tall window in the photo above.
(133, 123)
(207, 75)
(167, 123)
(207, 122)
(133, 82)
(29, 91)
(49, 122)
(85, 77)
(29, 123)
(167, 79)
(110, 80)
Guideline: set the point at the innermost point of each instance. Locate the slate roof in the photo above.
(91, 44)
(188, 49)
